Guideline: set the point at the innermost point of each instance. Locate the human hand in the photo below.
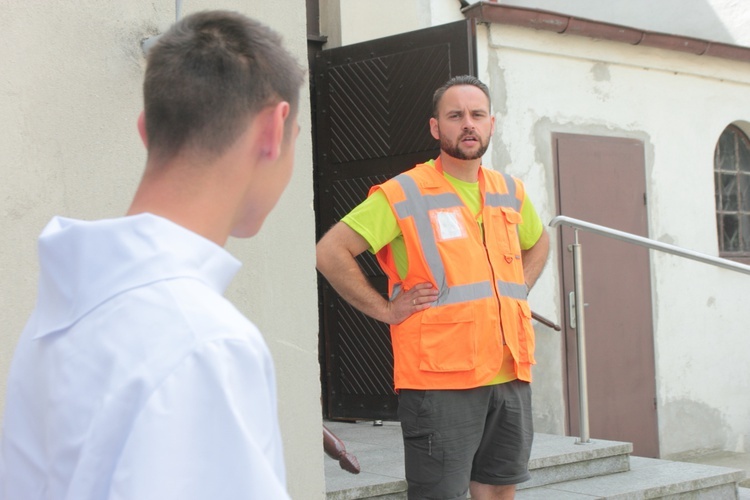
(418, 298)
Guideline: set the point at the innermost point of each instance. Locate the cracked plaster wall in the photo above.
(677, 105)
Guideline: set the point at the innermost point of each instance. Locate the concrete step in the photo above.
(560, 469)
(556, 459)
(647, 478)
(380, 454)
(733, 460)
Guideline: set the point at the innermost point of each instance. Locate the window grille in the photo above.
(732, 190)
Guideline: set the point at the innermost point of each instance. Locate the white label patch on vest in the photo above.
(447, 224)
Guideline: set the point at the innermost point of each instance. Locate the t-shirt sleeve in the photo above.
(210, 430)
(374, 220)
(530, 230)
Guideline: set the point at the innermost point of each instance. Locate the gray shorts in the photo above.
(453, 437)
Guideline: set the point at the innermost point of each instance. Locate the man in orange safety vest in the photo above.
(461, 246)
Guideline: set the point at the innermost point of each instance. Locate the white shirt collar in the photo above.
(83, 264)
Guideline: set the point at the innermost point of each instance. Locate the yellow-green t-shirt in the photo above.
(374, 220)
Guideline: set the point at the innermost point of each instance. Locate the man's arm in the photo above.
(535, 258)
(336, 252)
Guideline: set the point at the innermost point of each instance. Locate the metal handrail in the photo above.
(546, 322)
(649, 243)
(577, 224)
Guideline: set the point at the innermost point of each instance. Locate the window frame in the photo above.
(739, 137)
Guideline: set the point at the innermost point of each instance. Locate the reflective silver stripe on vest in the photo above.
(417, 205)
(466, 293)
(444, 200)
(513, 290)
(504, 200)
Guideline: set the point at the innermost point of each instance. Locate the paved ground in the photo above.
(726, 459)
(379, 450)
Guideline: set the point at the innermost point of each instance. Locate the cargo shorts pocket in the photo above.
(423, 460)
(447, 340)
(423, 455)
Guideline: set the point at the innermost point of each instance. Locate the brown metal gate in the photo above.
(371, 103)
(603, 180)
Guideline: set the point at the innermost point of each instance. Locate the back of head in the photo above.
(207, 77)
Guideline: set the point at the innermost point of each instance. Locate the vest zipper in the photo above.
(494, 279)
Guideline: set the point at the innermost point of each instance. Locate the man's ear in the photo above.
(142, 128)
(272, 120)
(434, 128)
(492, 128)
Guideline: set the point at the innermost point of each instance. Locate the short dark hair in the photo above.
(208, 76)
(458, 80)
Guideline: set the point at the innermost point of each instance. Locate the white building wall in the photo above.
(678, 105)
(70, 94)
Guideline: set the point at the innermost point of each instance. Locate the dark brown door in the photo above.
(371, 103)
(602, 180)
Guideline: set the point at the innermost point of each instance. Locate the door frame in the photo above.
(648, 439)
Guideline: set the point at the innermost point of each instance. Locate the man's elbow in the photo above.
(329, 251)
(544, 241)
(540, 249)
(322, 255)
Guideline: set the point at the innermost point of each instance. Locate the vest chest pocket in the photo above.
(505, 230)
(447, 340)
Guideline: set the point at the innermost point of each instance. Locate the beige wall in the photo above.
(69, 98)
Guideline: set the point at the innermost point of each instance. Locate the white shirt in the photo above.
(134, 378)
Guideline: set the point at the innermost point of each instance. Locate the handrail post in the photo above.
(583, 399)
(634, 239)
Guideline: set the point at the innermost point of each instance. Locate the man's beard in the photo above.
(455, 151)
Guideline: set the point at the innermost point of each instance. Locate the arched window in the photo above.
(732, 188)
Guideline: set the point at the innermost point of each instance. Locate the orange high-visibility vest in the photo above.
(458, 342)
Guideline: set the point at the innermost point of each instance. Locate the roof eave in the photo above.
(492, 12)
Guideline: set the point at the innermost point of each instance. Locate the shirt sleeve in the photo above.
(530, 230)
(209, 431)
(374, 220)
